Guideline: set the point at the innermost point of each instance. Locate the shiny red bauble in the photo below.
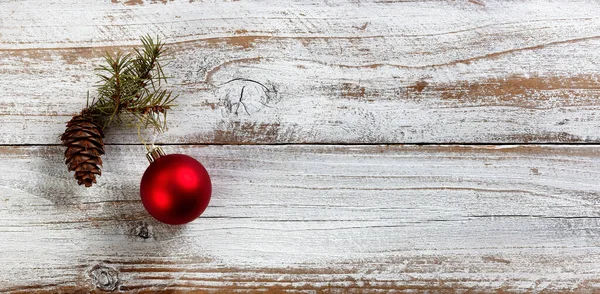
(175, 189)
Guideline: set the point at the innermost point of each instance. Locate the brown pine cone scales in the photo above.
(83, 139)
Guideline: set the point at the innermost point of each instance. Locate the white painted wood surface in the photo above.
(344, 71)
(306, 217)
(314, 217)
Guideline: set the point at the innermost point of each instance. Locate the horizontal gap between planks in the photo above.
(329, 144)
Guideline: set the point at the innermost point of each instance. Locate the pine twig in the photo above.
(130, 83)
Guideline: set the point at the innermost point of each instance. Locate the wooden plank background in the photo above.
(379, 146)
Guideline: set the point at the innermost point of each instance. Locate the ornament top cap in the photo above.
(155, 153)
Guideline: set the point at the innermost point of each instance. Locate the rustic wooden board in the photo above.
(303, 217)
(343, 71)
(358, 218)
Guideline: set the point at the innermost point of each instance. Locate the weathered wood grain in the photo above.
(311, 218)
(325, 218)
(343, 71)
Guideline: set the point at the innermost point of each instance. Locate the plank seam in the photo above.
(334, 144)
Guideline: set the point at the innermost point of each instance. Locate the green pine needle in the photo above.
(130, 88)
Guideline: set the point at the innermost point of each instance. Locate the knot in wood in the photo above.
(144, 231)
(104, 278)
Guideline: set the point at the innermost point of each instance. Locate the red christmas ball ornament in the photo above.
(176, 188)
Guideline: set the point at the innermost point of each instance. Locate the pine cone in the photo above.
(83, 139)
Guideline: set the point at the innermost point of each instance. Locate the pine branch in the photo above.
(149, 109)
(132, 84)
(129, 89)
